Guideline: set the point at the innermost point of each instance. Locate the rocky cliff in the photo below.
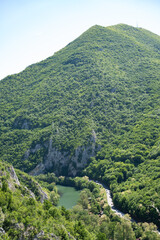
(9, 179)
(63, 162)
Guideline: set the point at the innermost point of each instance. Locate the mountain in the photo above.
(92, 107)
(56, 113)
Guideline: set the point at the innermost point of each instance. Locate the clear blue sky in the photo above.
(32, 30)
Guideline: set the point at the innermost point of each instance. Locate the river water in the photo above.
(111, 204)
(110, 201)
(69, 196)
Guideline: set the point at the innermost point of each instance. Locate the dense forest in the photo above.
(29, 211)
(91, 109)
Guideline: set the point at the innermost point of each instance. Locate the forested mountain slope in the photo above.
(94, 103)
(61, 111)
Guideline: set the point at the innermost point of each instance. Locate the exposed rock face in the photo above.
(34, 189)
(40, 168)
(12, 180)
(39, 235)
(13, 175)
(32, 195)
(2, 231)
(62, 162)
(43, 195)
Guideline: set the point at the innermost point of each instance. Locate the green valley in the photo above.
(92, 109)
(29, 211)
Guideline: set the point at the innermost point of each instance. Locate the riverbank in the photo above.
(111, 204)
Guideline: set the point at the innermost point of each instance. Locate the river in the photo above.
(111, 204)
(110, 201)
(69, 196)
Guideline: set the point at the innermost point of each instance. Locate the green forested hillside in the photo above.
(24, 216)
(93, 104)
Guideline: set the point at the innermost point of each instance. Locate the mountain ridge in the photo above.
(112, 27)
